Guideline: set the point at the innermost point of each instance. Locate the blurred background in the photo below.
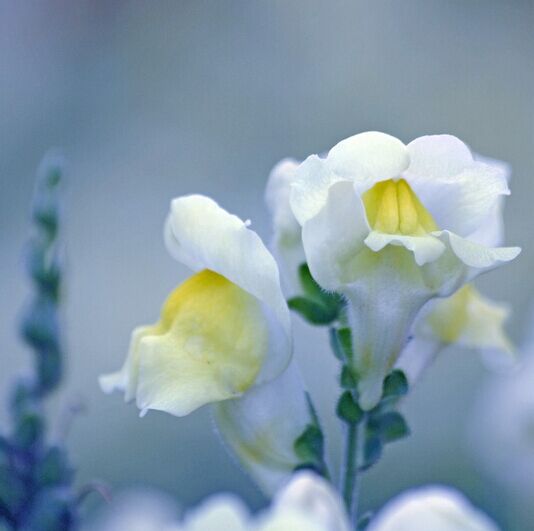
(149, 100)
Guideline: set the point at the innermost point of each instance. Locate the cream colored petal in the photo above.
(335, 236)
(210, 345)
(431, 508)
(287, 238)
(221, 512)
(261, 427)
(457, 190)
(203, 235)
(309, 190)
(310, 497)
(370, 155)
(425, 248)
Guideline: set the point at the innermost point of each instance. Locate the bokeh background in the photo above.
(149, 100)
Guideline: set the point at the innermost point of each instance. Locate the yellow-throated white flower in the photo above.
(223, 330)
(262, 426)
(286, 240)
(431, 508)
(390, 227)
(465, 318)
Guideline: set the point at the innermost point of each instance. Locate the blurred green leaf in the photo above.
(348, 410)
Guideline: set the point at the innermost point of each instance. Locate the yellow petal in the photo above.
(209, 345)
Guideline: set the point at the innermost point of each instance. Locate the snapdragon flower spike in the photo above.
(286, 240)
(222, 331)
(434, 507)
(390, 227)
(467, 319)
(262, 426)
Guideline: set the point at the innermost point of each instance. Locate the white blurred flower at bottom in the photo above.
(501, 430)
(307, 503)
(431, 509)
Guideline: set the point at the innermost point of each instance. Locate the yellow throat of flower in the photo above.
(211, 333)
(393, 208)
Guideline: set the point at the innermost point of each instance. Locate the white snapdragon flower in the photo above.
(390, 227)
(307, 503)
(222, 331)
(286, 240)
(431, 508)
(467, 319)
(262, 426)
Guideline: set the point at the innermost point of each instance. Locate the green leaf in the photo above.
(347, 379)
(53, 469)
(313, 312)
(395, 384)
(348, 410)
(309, 446)
(341, 343)
(391, 426)
(372, 450)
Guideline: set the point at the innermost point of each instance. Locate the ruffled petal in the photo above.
(309, 499)
(369, 156)
(309, 190)
(476, 256)
(431, 508)
(335, 236)
(209, 345)
(456, 189)
(287, 238)
(425, 248)
(203, 235)
(262, 426)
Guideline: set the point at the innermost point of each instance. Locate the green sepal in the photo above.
(347, 378)
(309, 446)
(341, 343)
(29, 429)
(372, 450)
(390, 426)
(312, 311)
(317, 306)
(348, 409)
(53, 468)
(395, 385)
(311, 289)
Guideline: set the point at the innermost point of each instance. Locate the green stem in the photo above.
(350, 466)
(354, 441)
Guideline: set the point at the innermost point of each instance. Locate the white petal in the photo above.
(371, 155)
(334, 237)
(456, 189)
(475, 255)
(431, 508)
(311, 496)
(425, 248)
(309, 190)
(218, 513)
(261, 428)
(287, 239)
(203, 235)
(437, 157)
(417, 356)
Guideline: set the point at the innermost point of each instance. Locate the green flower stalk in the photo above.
(35, 476)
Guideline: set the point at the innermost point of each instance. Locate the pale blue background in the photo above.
(154, 99)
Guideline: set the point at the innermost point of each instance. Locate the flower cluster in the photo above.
(376, 239)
